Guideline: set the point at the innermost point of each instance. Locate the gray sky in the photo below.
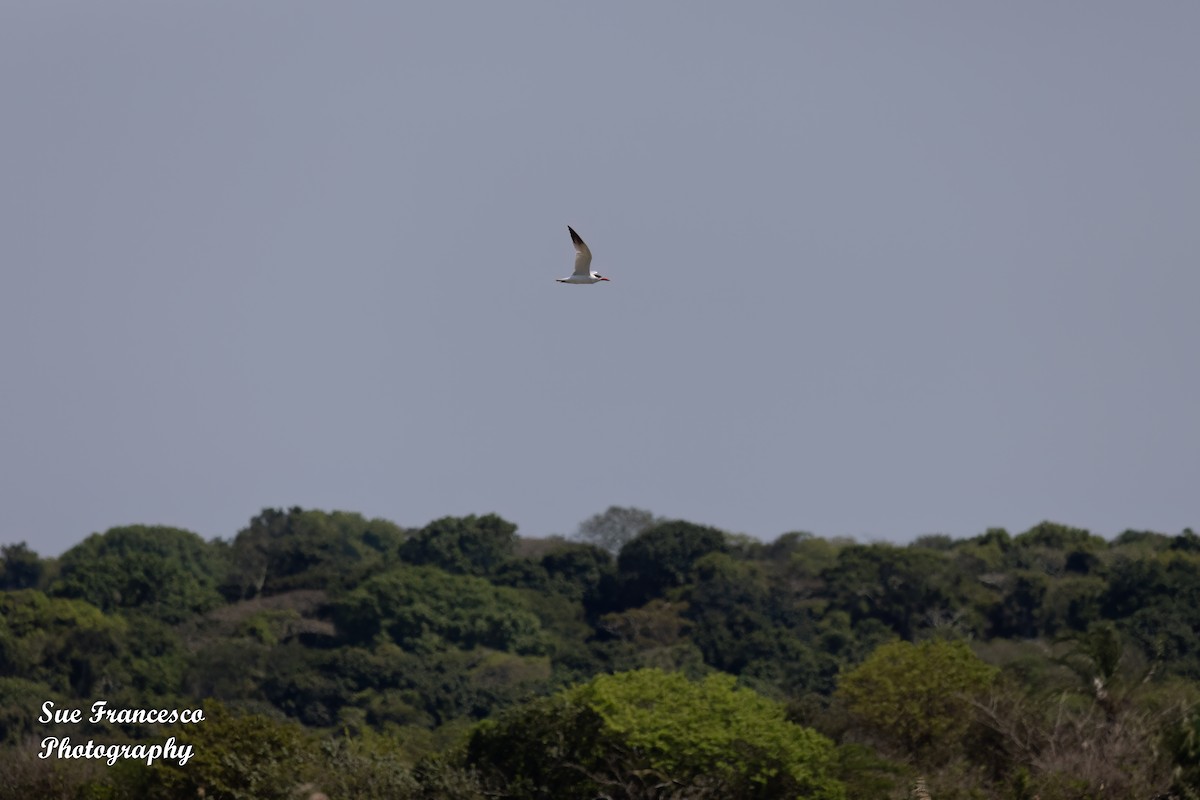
(878, 269)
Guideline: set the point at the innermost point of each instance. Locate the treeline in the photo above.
(351, 658)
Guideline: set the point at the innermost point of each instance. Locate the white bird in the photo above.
(583, 263)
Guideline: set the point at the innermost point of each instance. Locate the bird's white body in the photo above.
(583, 263)
(592, 278)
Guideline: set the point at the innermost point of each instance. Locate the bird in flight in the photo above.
(583, 263)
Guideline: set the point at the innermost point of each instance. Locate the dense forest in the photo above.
(326, 655)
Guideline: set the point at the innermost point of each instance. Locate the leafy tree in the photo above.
(388, 688)
(70, 645)
(1071, 603)
(567, 632)
(651, 733)
(614, 528)
(661, 558)
(424, 609)
(745, 625)
(653, 635)
(1157, 600)
(236, 757)
(1054, 549)
(465, 545)
(934, 541)
(335, 626)
(907, 589)
(1020, 613)
(578, 571)
(1144, 541)
(1095, 657)
(20, 705)
(296, 549)
(156, 660)
(166, 573)
(805, 557)
(729, 604)
(20, 567)
(1187, 541)
(784, 547)
(917, 696)
(227, 668)
(986, 555)
(1053, 536)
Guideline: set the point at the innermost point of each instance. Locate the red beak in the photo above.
(604, 279)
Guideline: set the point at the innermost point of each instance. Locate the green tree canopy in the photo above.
(904, 588)
(650, 733)
(297, 549)
(661, 558)
(917, 696)
(235, 757)
(424, 608)
(166, 573)
(468, 545)
(69, 645)
(578, 571)
(20, 567)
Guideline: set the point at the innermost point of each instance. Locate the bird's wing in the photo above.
(583, 256)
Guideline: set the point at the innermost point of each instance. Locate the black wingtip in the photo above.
(574, 236)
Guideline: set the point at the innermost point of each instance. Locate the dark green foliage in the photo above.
(439, 645)
(165, 573)
(237, 757)
(1019, 614)
(384, 646)
(578, 571)
(424, 609)
(934, 541)
(661, 558)
(155, 662)
(69, 645)
(1095, 657)
(1145, 541)
(998, 538)
(1053, 536)
(536, 749)
(20, 704)
(20, 567)
(906, 589)
(282, 551)
(465, 545)
(1187, 541)
(730, 608)
(744, 625)
(1157, 599)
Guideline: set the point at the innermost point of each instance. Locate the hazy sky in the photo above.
(878, 269)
